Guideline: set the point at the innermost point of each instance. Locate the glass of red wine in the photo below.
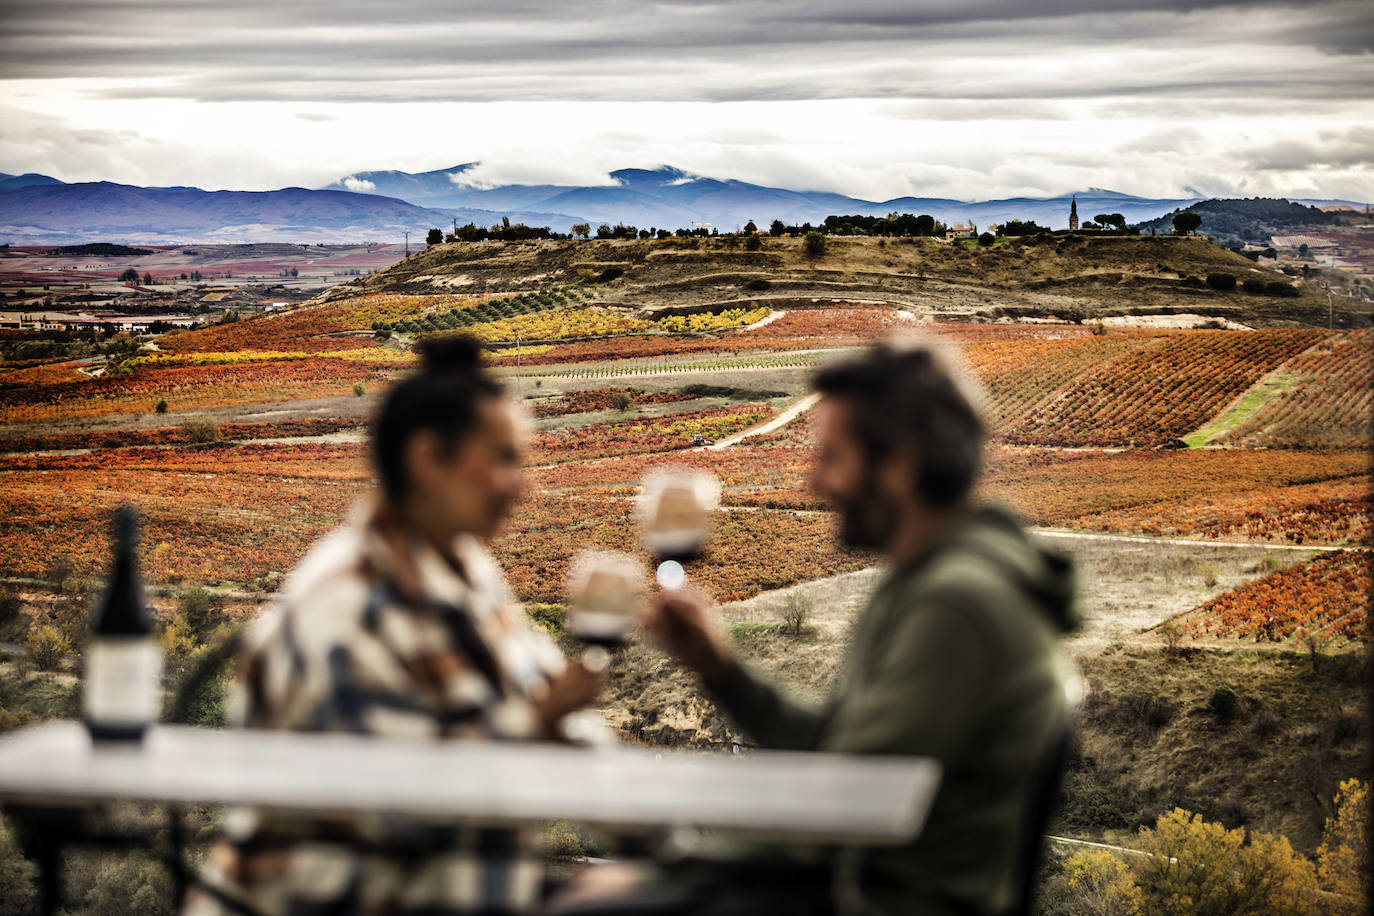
(606, 598)
(674, 510)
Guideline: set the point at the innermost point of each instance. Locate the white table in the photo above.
(814, 797)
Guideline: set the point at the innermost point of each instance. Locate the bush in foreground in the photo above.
(1186, 866)
(47, 647)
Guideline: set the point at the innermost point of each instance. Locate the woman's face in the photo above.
(472, 488)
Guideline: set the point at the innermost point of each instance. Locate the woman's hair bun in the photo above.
(450, 354)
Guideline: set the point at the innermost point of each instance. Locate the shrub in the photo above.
(609, 274)
(549, 617)
(1149, 709)
(204, 703)
(1282, 289)
(758, 284)
(1172, 635)
(202, 430)
(1224, 703)
(358, 389)
(1343, 857)
(1253, 285)
(1209, 574)
(47, 647)
(161, 406)
(120, 883)
(814, 244)
(1221, 282)
(17, 876)
(564, 844)
(1265, 724)
(987, 239)
(795, 612)
(1197, 867)
(752, 242)
(1094, 882)
(58, 571)
(197, 605)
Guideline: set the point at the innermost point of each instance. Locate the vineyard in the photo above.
(315, 328)
(1326, 599)
(1158, 393)
(1018, 373)
(189, 388)
(1327, 400)
(641, 436)
(179, 435)
(592, 399)
(236, 512)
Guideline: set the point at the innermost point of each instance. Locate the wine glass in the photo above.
(674, 512)
(606, 595)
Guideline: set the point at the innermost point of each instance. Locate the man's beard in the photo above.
(867, 520)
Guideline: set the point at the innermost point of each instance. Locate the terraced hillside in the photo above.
(1068, 277)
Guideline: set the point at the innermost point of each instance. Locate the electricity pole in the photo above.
(407, 243)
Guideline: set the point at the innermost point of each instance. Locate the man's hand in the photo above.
(681, 622)
(573, 688)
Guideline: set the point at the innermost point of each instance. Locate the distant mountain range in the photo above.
(43, 212)
(382, 205)
(669, 197)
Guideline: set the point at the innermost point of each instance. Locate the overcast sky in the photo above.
(874, 98)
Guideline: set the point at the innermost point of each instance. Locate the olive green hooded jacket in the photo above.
(954, 658)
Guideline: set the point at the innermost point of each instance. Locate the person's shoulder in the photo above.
(992, 575)
(323, 597)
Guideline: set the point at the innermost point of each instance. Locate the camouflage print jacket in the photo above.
(377, 633)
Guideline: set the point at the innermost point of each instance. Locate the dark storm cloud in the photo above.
(730, 51)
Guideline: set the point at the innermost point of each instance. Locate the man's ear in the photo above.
(896, 475)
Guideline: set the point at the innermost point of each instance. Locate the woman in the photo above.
(400, 624)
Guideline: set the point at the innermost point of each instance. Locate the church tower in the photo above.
(1073, 214)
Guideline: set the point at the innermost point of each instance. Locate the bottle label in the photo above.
(123, 681)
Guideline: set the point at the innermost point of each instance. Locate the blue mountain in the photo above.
(104, 210)
(670, 197)
(28, 179)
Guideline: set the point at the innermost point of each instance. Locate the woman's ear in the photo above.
(423, 458)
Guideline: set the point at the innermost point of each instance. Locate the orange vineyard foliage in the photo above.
(1159, 393)
(655, 434)
(188, 387)
(1327, 598)
(1330, 403)
(603, 399)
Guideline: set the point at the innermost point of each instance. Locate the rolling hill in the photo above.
(1248, 220)
(1074, 278)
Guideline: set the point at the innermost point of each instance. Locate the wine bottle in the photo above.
(122, 690)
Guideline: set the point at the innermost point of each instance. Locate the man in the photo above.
(954, 657)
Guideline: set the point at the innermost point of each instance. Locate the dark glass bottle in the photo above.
(122, 690)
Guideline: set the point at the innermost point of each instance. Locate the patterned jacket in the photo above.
(376, 633)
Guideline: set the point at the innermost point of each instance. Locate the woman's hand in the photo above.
(573, 688)
(680, 620)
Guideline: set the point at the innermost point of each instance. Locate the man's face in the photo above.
(477, 484)
(868, 495)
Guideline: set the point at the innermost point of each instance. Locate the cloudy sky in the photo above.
(876, 98)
